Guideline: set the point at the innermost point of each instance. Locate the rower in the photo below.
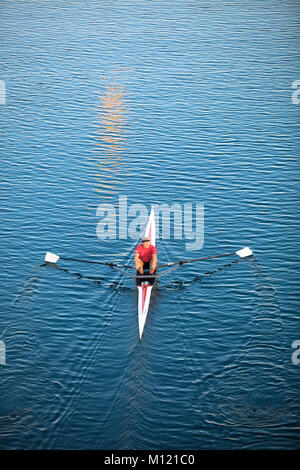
(145, 257)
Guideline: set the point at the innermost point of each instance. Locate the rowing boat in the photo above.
(146, 282)
(144, 290)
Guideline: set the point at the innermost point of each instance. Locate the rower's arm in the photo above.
(153, 263)
(136, 260)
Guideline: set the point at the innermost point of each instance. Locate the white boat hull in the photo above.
(143, 306)
(144, 292)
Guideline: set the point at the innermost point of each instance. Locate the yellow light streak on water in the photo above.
(110, 137)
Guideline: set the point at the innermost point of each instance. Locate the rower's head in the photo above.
(145, 242)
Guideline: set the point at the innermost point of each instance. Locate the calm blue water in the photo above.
(162, 102)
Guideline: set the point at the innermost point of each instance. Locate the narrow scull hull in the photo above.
(144, 291)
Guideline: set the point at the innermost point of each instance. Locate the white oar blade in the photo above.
(244, 252)
(51, 257)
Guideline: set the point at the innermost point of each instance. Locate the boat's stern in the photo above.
(144, 293)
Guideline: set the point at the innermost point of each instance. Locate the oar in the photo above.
(241, 253)
(52, 258)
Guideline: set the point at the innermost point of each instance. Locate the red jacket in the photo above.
(146, 253)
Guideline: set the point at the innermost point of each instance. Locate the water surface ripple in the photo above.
(162, 102)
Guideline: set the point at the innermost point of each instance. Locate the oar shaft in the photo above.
(84, 260)
(95, 262)
(197, 259)
(208, 257)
